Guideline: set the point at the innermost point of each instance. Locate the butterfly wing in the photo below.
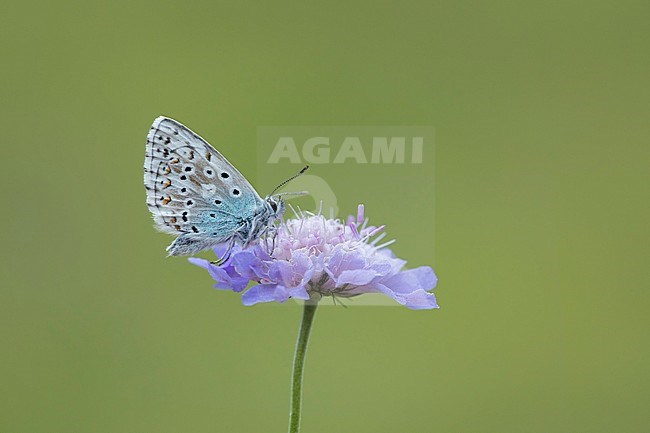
(192, 190)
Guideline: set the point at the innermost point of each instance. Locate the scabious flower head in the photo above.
(313, 257)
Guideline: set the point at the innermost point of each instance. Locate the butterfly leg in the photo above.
(251, 234)
(264, 238)
(275, 235)
(226, 255)
(273, 232)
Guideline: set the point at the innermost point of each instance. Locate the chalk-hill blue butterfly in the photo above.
(193, 192)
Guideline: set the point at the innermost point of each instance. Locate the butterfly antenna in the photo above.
(304, 169)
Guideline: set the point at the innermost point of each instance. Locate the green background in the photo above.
(539, 232)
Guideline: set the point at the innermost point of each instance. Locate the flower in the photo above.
(313, 257)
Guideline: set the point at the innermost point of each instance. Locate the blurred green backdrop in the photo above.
(539, 233)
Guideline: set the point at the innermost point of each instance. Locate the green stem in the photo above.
(298, 363)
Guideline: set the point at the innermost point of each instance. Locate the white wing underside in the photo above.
(192, 190)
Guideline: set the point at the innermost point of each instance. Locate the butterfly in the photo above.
(193, 192)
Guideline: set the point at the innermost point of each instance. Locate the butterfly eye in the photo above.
(274, 206)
